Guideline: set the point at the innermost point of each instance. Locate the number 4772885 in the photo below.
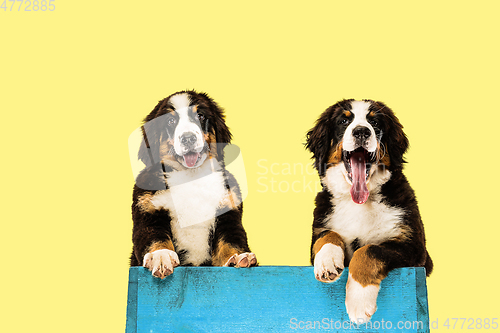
(471, 323)
(29, 6)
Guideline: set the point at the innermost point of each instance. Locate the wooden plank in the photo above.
(132, 299)
(267, 299)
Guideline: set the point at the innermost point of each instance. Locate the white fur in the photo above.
(360, 110)
(186, 125)
(360, 302)
(327, 260)
(181, 106)
(372, 222)
(180, 101)
(192, 200)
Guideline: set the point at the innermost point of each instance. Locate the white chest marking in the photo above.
(372, 222)
(192, 200)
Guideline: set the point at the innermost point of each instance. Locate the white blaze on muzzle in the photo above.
(359, 148)
(188, 136)
(360, 110)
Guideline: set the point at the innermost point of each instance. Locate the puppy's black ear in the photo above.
(395, 139)
(319, 141)
(222, 134)
(149, 150)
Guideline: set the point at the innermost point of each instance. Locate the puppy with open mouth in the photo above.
(187, 207)
(366, 216)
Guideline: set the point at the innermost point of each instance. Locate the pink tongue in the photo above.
(359, 191)
(190, 159)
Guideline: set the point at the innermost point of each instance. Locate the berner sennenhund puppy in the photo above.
(366, 216)
(187, 207)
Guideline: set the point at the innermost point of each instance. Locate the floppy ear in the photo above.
(396, 140)
(216, 123)
(149, 151)
(319, 141)
(222, 134)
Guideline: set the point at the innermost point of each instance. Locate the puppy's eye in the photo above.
(373, 122)
(201, 116)
(344, 121)
(171, 122)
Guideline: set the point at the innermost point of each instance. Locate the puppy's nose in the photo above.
(188, 138)
(361, 132)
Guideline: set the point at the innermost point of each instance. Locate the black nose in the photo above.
(188, 139)
(361, 132)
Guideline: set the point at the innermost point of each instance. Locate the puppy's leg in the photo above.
(161, 259)
(370, 265)
(365, 274)
(327, 255)
(230, 246)
(226, 254)
(152, 235)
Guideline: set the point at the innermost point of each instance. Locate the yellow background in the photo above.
(76, 82)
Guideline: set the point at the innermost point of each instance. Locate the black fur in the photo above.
(324, 137)
(327, 134)
(155, 125)
(151, 227)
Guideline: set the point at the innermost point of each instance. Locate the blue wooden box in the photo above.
(267, 299)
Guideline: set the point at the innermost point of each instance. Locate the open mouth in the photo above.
(358, 164)
(191, 159)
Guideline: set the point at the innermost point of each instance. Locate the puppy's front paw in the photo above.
(246, 259)
(361, 302)
(329, 263)
(161, 262)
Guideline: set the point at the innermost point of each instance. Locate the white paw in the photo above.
(329, 263)
(361, 302)
(246, 259)
(161, 262)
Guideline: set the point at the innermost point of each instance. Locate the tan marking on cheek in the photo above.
(145, 204)
(336, 155)
(386, 160)
(167, 155)
(165, 147)
(212, 143)
(155, 246)
(383, 156)
(172, 162)
(366, 270)
(223, 251)
(331, 237)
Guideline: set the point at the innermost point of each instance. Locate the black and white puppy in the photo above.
(187, 207)
(366, 216)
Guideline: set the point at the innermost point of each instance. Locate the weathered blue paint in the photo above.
(266, 299)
